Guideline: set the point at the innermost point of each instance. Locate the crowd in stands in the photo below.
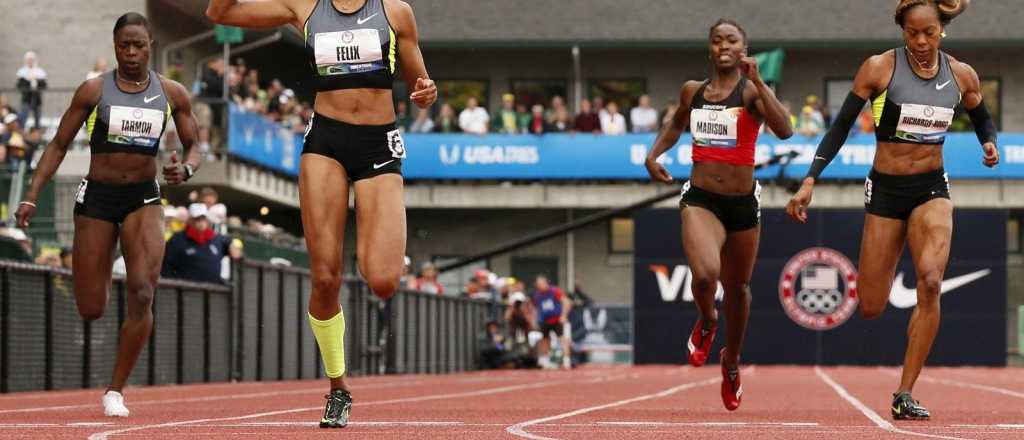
(527, 328)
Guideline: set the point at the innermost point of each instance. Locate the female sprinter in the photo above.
(126, 111)
(354, 47)
(913, 91)
(720, 203)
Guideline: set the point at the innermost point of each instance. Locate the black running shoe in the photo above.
(339, 405)
(905, 407)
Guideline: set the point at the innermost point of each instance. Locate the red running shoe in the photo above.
(732, 388)
(699, 343)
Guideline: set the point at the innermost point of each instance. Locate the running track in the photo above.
(588, 403)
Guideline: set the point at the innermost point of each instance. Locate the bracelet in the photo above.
(27, 203)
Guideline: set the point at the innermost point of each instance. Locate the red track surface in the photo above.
(588, 403)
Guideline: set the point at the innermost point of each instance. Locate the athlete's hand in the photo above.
(657, 171)
(174, 173)
(25, 211)
(797, 206)
(425, 93)
(749, 67)
(991, 154)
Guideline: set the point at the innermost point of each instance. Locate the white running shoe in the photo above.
(113, 404)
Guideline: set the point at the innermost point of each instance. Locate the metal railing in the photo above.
(255, 329)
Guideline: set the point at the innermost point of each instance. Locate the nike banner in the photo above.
(805, 297)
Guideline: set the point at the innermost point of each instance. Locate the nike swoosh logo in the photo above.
(149, 100)
(903, 297)
(943, 85)
(364, 20)
(377, 166)
(148, 201)
(819, 157)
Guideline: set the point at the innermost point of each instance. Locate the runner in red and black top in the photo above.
(720, 212)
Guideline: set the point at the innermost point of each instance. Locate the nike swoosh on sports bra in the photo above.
(916, 110)
(351, 51)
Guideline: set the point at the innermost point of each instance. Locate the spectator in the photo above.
(563, 121)
(600, 107)
(552, 313)
(22, 239)
(612, 122)
(866, 122)
(98, 68)
(473, 118)
(66, 259)
(446, 121)
(402, 118)
(507, 121)
(217, 213)
(5, 109)
(48, 258)
(31, 83)
(484, 281)
(557, 103)
(12, 140)
(472, 289)
(524, 117)
(274, 92)
(494, 350)
(423, 123)
(33, 144)
(408, 281)
(212, 79)
(644, 117)
(668, 114)
(587, 121)
(195, 254)
(427, 282)
(811, 121)
(538, 125)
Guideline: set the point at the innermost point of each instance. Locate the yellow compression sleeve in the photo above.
(330, 337)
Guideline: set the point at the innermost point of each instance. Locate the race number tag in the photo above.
(923, 123)
(135, 126)
(356, 51)
(713, 128)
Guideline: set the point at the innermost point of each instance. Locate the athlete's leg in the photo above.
(93, 254)
(380, 225)
(880, 248)
(929, 232)
(323, 196)
(142, 243)
(737, 262)
(703, 238)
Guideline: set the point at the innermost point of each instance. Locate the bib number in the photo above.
(355, 51)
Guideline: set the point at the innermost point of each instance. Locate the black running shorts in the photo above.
(892, 196)
(363, 150)
(113, 202)
(737, 213)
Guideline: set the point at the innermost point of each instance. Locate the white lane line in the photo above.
(88, 424)
(868, 412)
(519, 429)
(997, 425)
(751, 424)
(106, 434)
(132, 403)
(975, 386)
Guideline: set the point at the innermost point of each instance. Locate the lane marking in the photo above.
(106, 434)
(519, 429)
(868, 412)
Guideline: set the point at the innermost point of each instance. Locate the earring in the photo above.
(943, 34)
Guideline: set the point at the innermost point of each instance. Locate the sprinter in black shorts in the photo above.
(913, 91)
(354, 48)
(125, 112)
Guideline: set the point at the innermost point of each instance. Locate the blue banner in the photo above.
(588, 156)
(253, 137)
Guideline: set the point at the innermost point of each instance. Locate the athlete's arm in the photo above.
(669, 134)
(767, 104)
(870, 79)
(424, 92)
(566, 307)
(984, 127)
(86, 97)
(256, 13)
(185, 122)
